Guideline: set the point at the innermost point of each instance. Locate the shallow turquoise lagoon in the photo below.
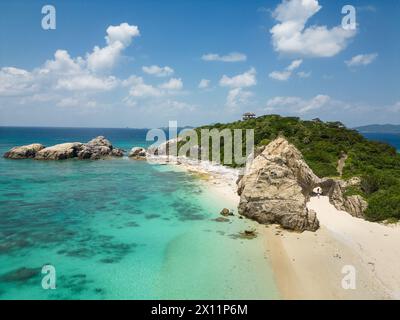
(118, 229)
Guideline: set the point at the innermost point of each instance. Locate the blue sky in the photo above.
(148, 70)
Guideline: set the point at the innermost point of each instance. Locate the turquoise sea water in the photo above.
(118, 229)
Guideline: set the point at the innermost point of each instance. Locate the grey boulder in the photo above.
(137, 153)
(60, 151)
(24, 152)
(98, 148)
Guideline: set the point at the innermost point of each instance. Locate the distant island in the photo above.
(379, 128)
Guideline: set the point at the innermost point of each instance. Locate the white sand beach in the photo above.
(221, 178)
(309, 265)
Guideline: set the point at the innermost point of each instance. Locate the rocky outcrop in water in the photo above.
(276, 188)
(137, 153)
(165, 148)
(97, 148)
(60, 151)
(24, 152)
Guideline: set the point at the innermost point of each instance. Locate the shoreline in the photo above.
(309, 265)
(217, 176)
(256, 280)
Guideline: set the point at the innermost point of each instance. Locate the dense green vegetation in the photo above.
(322, 144)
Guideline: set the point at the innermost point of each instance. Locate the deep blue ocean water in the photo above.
(392, 139)
(118, 229)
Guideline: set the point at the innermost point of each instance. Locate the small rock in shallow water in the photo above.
(221, 219)
(250, 232)
(137, 153)
(152, 216)
(108, 260)
(132, 224)
(247, 234)
(20, 275)
(225, 212)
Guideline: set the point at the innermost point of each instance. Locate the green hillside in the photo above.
(323, 143)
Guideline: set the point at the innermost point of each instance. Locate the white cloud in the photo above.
(59, 77)
(361, 60)
(353, 113)
(286, 74)
(104, 58)
(369, 8)
(246, 79)
(231, 57)
(144, 90)
(302, 74)
(172, 84)
(140, 89)
(178, 105)
(65, 85)
(237, 97)
(163, 107)
(280, 75)
(75, 102)
(124, 33)
(395, 107)
(297, 104)
(14, 82)
(39, 97)
(294, 65)
(62, 64)
(87, 82)
(204, 83)
(118, 38)
(291, 36)
(158, 71)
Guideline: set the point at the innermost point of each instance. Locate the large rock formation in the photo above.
(60, 151)
(98, 148)
(95, 149)
(354, 204)
(277, 186)
(24, 152)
